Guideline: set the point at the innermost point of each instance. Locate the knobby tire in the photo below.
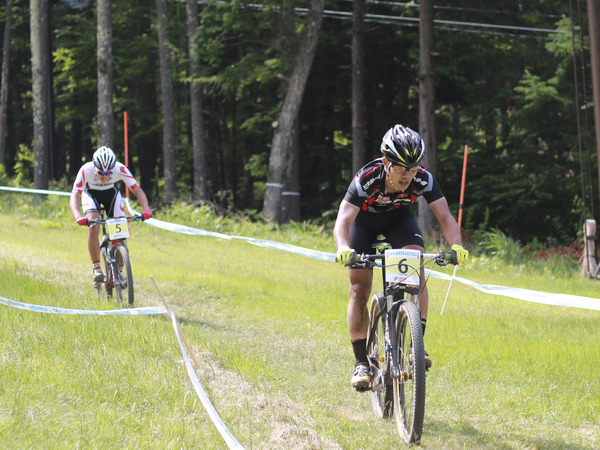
(382, 394)
(124, 288)
(409, 390)
(107, 272)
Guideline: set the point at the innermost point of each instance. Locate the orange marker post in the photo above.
(460, 214)
(462, 188)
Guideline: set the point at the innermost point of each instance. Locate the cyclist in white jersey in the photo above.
(95, 189)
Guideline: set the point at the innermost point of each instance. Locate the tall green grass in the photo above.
(269, 331)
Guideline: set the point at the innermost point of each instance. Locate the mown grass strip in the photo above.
(269, 330)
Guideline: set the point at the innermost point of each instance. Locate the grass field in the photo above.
(268, 328)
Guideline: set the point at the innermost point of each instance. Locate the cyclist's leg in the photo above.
(357, 316)
(91, 209)
(358, 325)
(116, 207)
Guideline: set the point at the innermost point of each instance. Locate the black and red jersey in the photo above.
(367, 189)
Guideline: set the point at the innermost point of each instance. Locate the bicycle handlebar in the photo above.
(93, 222)
(365, 261)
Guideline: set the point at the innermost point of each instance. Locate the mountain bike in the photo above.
(395, 337)
(113, 246)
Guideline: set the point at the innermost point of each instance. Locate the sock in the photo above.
(360, 351)
(423, 325)
(96, 265)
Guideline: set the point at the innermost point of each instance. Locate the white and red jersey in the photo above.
(88, 179)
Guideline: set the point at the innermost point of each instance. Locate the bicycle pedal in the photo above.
(362, 388)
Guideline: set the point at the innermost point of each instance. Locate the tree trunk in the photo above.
(426, 103)
(53, 151)
(358, 102)
(4, 82)
(290, 200)
(284, 127)
(594, 30)
(198, 144)
(106, 126)
(168, 115)
(39, 22)
(290, 195)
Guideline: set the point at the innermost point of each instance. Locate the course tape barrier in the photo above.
(516, 293)
(229, 439)
(149, 310)
(528, 295)
(315, 254)
(34, 191)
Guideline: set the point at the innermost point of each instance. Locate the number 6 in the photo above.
(402, 266)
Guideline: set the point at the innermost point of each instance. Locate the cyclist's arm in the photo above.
(141, 196)
(74, 204)
(450, 227)
(345, 218)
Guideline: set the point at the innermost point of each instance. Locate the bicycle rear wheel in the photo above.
(382, 394)
(409, 389)
(124, 286)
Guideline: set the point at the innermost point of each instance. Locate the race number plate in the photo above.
(402, 266)
(117, 228)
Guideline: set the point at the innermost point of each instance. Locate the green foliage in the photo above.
(258, 166)
(52, 208)
(24, 166)
(503, 247)
(3, 176)
(509, 97)
(305, 234)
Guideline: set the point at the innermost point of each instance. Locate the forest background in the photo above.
(512, 82)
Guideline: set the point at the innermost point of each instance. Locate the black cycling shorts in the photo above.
(399, 227)
(108, 199)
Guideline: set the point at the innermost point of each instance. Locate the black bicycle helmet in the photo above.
(403, 147)
(104, 159)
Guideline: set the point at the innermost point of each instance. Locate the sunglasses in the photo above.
(403, 170)
(104, 173)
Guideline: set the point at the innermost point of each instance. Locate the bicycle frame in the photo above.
(110, 245)
(395, 337)
(394, 295)
(113, 247)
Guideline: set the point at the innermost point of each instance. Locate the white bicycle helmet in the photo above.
(403, 147)
(104, 159)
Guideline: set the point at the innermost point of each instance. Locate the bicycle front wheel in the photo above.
(409, 388)
(382, 393)
(107, 273)
(124, 278)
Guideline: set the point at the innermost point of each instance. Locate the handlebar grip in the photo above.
(451, 257)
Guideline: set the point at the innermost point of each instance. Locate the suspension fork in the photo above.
(393, 341)
(112, 253)
(395, 296)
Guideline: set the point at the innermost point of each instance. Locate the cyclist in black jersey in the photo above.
(378, 202)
